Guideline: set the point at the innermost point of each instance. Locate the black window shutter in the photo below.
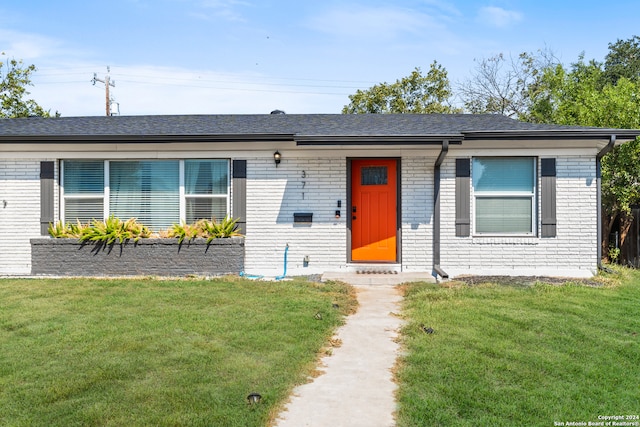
(548, 197)
(463, 197)
(239, 197)
(47, 202)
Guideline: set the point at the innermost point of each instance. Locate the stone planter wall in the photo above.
(147, 257)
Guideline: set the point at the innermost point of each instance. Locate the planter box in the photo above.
(147, 257)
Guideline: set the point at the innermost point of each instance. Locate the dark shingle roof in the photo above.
(284, 125)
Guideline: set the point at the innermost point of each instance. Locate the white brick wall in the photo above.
(417, 213)
(20, 218)
(572, 253)
(275, 194)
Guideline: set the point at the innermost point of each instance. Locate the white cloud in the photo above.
(27, 46)
(371, 23)
(225, 9)
(166, 90)
(38, 49)
(448, 8)
(498, 17)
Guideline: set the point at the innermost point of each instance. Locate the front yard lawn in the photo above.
(78, 352)
(502, 355)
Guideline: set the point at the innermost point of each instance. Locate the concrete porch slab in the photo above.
(354, 278)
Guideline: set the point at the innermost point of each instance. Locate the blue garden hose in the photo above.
(286, 249)
(250, 276)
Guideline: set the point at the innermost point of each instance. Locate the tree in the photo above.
(500, 84)
(623, 60)
(415, 93)
(14, 79)
(538, 88)
(585, 96)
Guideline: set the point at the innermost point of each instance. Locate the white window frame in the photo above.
(64, 197)
(507, 194)
(107, 190)
(184, 196)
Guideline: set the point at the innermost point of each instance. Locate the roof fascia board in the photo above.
(379, 140)
(622, 134)
(146, 138)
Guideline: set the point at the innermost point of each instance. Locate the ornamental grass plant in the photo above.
(114, 230)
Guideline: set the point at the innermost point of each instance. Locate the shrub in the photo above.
(205, 229)
(114, 230)
(69, 230)
(185, 231)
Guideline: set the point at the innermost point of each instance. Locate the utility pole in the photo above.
(107, 83)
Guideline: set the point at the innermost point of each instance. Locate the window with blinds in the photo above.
(83, 184)
(206, 185)
(147, 190)
(158, 193)
(504, 195)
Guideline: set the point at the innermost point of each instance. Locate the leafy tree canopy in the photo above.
(582, 95)
(623, 60)
(536, 87)
(14, 79)
(590, 94)
(416, 93)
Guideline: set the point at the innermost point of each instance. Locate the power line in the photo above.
(300, 92)
(61, 71)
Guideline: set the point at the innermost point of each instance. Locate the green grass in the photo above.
(158, 352)
(514, 356)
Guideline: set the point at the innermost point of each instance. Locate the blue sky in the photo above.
(303, 56)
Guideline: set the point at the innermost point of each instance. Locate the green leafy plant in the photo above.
(114, 230)
(227, 228)
(614, 254)
(184, 231)
(208, 229)
(61, 230)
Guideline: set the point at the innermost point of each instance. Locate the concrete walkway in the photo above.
(356, 387)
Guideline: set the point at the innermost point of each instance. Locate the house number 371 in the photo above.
(304, 183)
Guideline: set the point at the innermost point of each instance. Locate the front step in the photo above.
(354, 278)
(359, 268)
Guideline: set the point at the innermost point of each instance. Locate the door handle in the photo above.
(353, 209)
(353, 217)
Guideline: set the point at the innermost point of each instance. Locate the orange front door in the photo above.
(374, 210)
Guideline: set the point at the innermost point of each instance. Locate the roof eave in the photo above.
(71, 139)
(376, 140)
(622, 135)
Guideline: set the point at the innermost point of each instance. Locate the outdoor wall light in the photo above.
(277, 157)
(337, 214)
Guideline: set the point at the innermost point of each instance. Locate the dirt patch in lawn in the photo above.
(528, 280)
